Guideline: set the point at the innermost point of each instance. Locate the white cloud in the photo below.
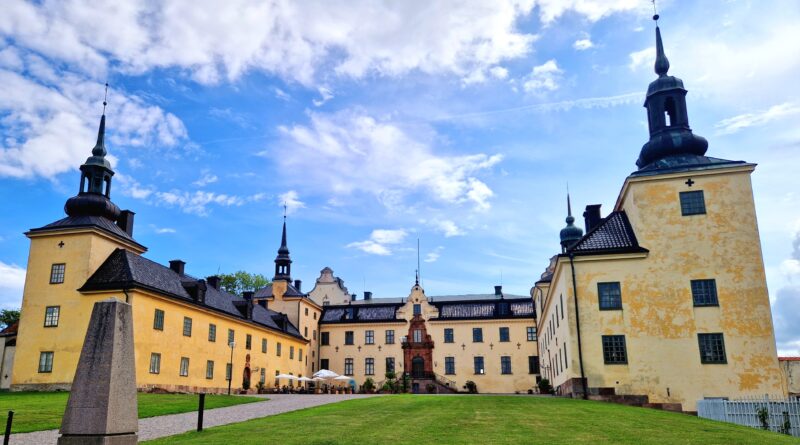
(583, 44)
(205, 179)
(380, 241)
(544, 77)
(12, 282)
(51, 129)
(325, 95)
(292, 201)
(498, 72)
(433, 255)
(594, 10)
(739, 122)
(642, 58)
(282, 95)
(448, 228)
(386, 159)
(162, 230)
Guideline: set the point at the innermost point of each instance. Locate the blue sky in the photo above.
(458, 123)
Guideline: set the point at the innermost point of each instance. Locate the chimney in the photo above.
(297, 284)
(591, 217)
(498, 290)
(262, 303)
(353, 297)
(177, 266)
(213, 281)
(367, 295)
(248, 297)
(125, 222)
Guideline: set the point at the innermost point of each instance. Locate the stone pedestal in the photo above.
(102, 406)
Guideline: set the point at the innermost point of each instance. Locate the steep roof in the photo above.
(125, 270)
(614, 234)
(82, 221)
(685, 162)
(291, 291)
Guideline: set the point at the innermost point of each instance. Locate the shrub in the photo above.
(544, 386)
(763, 417)
(369, 385)
(431, 388)
(471, 387)
(405, 383)
(260, 387)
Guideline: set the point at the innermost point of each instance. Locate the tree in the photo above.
(241, 281)
(8, 317)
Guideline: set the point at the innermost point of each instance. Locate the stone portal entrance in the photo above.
(418, 367)
(418, 350)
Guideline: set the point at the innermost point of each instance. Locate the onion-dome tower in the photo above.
(571, 233)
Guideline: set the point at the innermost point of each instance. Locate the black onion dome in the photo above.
(91, 204)
(572, 233)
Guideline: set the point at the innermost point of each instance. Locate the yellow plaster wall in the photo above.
(75, 309)
(658, 317)
(359, 350)
(791, 375)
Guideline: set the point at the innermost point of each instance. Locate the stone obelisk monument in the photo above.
(102, 405)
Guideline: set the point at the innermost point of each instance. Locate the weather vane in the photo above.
(284, 209)
(655, 11)
(105, 99)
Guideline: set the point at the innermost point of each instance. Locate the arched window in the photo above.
(669, 112)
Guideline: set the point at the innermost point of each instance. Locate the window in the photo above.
(264, 345)
(566, 363)
(51, 316)
(348, 366)
(531, 332)
(228, 371)
(712, 348)
(187, 327)
(417, 309)
(278, 349)
(291, 352)
(504, 336)
(448, 335)
(57, 273)
(533, 364)
(277, 381)
(369, 337)
(300, 354)
(704, 292)
(314, 334)
(325, 339)
(323, 364)
(348, 337)
(212, 332)
(390, 336)
(417, 335)
(184, 367)
(306, 312)
(505, 364)
(449, 365)
(305, 332)
(248, 341)
(158, 320)
(369, 366)
(46, 361)
(209, 369)
(315, 315)
(561, 297)
(693, 203)
(609, 295)
(614, 352)
(263, 377)
(231, 336)
(477, 335)
(155, 363)
(478, 362)
(389, 364)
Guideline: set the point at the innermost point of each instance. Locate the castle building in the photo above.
(441, 342)
(190, 335)
(664, 300)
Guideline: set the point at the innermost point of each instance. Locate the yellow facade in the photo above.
(658, 318)
(462, 350)
(82, 253)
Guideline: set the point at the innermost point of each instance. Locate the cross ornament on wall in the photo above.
(463, 346)
(61, 244)
(491, 345)
(689, 182)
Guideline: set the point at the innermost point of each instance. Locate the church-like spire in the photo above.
(572, 233)
(283, 262)
(94, 194)
(672, 142)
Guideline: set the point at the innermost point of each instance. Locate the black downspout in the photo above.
(127, 297)
(584, 383)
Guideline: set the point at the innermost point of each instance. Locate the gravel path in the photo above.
(155, 427)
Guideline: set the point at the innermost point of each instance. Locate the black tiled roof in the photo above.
(99, 222)
(686, 162)
(613, 234)
(490, 309)
(291, 291)
(372, 313)
(125, 270)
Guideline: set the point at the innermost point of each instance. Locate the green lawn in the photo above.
(408, 419)
(34, 411)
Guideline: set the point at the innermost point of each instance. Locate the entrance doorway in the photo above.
(418, 367)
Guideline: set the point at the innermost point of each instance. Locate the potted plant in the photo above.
(545, 387)
(369, 385)
(260, 388)
(471, 387)
(431, 388)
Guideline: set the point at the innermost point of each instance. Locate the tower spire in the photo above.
(662, 63)
(571, 233)
(283, 262)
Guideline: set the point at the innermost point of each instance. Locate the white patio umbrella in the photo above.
(325, 374)
(342, 377)
(304, 379)
(286, 376)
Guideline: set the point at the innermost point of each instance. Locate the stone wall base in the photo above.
(117, 439)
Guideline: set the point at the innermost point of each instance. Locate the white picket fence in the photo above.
(745, 412)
